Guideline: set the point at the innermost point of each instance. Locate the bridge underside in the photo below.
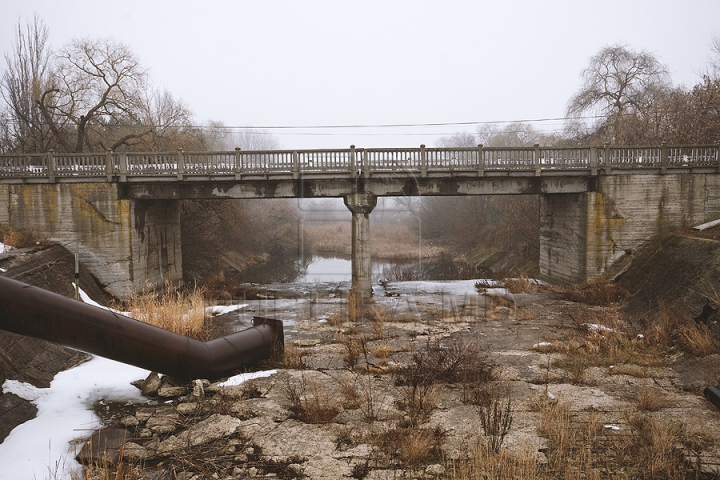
(589, 225)
(381, 186)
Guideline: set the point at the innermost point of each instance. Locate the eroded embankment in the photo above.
(680, 271)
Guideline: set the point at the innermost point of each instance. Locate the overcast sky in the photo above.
(312, 63)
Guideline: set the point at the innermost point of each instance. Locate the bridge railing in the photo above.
(356, 161)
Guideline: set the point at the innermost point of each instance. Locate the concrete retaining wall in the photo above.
(588, 234)
(128, 245)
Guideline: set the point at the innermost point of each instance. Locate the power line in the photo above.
(394, 125)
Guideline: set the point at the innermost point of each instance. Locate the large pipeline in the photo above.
(32, 311)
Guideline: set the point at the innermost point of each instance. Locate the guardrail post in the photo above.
(296, 165)
(51, 166)
(353, 170)
(365, 167)
(238, 163)
(423, 161)
(664, 160)
(180, 164)
(593, 161)
(108, 165)
(481, 160)
(606, 159)
(536, 155)
(123, 167)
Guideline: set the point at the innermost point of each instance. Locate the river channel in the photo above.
(315, 287)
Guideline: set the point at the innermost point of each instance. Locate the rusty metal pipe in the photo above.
(35, 312)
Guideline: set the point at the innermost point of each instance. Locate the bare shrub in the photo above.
(310, 402)
(417, 401)
(354, 347)
(496, 416)
(401, 273)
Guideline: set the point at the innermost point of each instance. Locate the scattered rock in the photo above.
(103, 446)
(151, 385)
(212, 428)
(435, 470)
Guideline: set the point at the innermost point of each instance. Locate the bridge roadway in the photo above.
(562, 176)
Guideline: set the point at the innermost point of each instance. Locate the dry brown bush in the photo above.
(310, 401)
(649, 400)
(521, 284)
(179, 311)
(483, 462)
(650, 451)
(697, 338)
(598, 291)
(411, 446)
(19, 239)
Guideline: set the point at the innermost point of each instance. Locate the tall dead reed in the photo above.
(180, 311)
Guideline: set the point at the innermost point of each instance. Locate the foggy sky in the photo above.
(329, 63)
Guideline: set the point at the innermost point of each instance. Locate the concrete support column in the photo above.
(563, 237)
(360, 204)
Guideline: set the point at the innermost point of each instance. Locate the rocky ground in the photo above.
(402, 395)
(542, 384)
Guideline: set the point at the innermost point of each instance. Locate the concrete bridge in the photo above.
(596, 204)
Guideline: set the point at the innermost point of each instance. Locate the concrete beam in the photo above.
(396, 184)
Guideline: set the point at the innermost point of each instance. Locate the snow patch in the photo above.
(244, 377)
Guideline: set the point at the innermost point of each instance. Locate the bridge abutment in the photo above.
(361, 205)
(128, 245)
(586, 235)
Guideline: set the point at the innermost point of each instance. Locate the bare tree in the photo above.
(248, 138)
(618, 82)
(512, 135)
(462, 139)
(24, 80)
(714, 70)
(95, 86)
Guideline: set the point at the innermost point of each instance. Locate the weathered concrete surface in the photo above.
(587, 234)
(127, 245)
(361, 205)
(397, 183)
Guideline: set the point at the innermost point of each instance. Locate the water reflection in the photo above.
(339, 269)
(336, 269)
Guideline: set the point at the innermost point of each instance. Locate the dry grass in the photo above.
(650, 451)
(19, 239)
(180, 311)
(697, 339)
(650, 400)
(310, 401)
(483, 462)
(410, 446)
(294, 357)
(675, 328)
(521, 284)
(598, 291)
